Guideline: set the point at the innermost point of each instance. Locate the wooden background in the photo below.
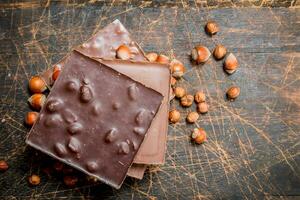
(253, 148)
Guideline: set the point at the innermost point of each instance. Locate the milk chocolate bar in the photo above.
(95, 119)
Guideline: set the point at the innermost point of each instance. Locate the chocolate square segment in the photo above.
(95, 119)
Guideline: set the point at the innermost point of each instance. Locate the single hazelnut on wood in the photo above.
(230, 64)
(173, 81)
(187, 100)
(179, 92)
(37, 101)
(174, 116)
(123, 52)
(200, 54)
(211, 27)
(163, 59)
(220, 52)
(152, 57)
(200, 97)
(233, 92)
(56, 72)
(202, 107)
(177, 68)
(192, 117)
(34, 179)
(31, 118)
(199, 135)
(70, 181)
(37, 84)
(3, 166)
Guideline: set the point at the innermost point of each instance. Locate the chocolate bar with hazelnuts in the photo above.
(111, 38)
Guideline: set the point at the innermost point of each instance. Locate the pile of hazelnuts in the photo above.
(199, 55)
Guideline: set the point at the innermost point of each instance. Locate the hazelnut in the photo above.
(163, 59)
(70, 181)
(92, 179)
(202, 107)
(173, 81)
(233, 92)
(56, 72)
(123, 52)
(31, 118)
(3, 166)
(34, 179)
(187, 100)
(200, 97)
(220, 52)
(230, 64)
(179, 92)
(37, 84)
(174, 116)
(37, 101)
(177, 68)
(152, 57)
(200, 54)
(199, 135)
(192, 117)
(211, 27)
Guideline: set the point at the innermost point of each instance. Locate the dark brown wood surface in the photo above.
(253, 148)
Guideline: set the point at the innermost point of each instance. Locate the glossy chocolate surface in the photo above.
(95, 119)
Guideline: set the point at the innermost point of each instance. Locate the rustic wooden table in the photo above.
(253, 147)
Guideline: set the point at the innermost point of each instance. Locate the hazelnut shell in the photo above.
(200, 54)
(163, 59)
(219, 52)
(152, 57)
(174, 116)
(230, 63)
(211, 27)
(123, 52)
(37, 84)
(233, 92)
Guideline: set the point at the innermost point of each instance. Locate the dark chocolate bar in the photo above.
(95, 119)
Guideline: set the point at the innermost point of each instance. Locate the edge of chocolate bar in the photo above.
(117, 186)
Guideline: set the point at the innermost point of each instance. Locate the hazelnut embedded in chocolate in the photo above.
(123, 52)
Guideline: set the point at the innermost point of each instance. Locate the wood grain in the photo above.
(253, 143)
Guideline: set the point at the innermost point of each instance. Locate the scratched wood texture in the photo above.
(253, 143)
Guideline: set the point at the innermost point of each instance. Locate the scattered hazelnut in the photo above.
(34, 179)
(37, 84)
(200, 54)
(123, 52)
(220, 52)
(3, 166)
(192, 117)
(152, 57)
(56, 72)
(212, 27)
(200, 97)
(174, 116)
(233, 92)
(177, 68)
(199, 135)
(163, 59)
(187, 100)
(173, 81)
(179, 92)
(202, 107)
(37, 101)
(230, 64)
(31, 118)
(70, 181)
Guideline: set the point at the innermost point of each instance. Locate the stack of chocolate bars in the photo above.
(105, 116)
